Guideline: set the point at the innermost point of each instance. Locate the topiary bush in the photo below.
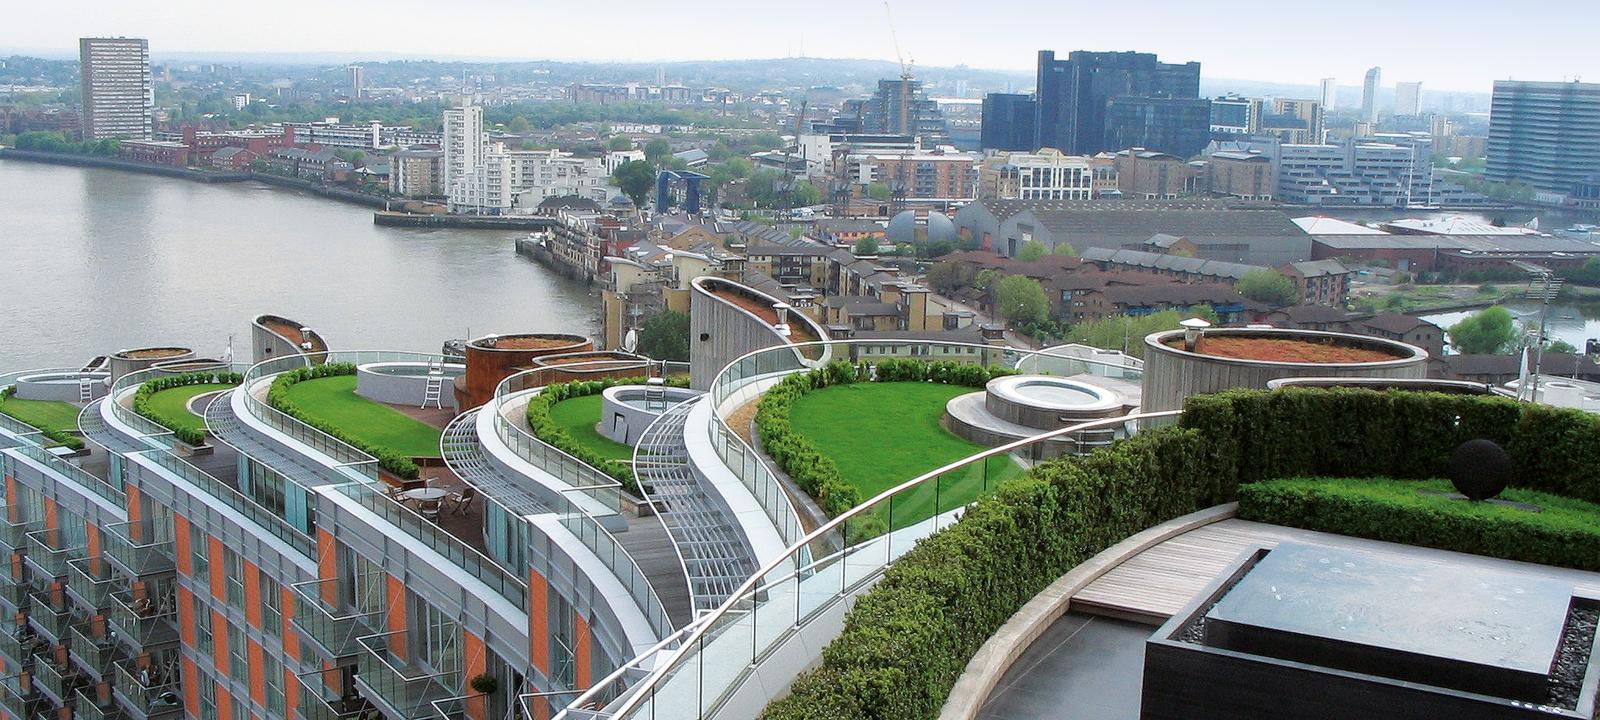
(188, 435)
(813, 471)
(544, 427)
(278, 397)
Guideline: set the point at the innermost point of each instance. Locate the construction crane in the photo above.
(905, 67)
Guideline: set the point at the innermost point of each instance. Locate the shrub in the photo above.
(278, 397)
(1565, 532)
(813, 471)
(544, 427)
(188, 435)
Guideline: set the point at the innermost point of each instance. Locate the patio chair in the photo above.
(430, 510)
(461, 500)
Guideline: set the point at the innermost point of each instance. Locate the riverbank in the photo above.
(196, 175)
(204, 176)
(465, 222)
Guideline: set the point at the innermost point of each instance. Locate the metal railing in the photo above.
(333, 627)
(13, 592)
(360, 469)
(48, 618)
(91, 707)
(94, 653)
(89, 481)
(409, 689)
(313, 702)
(145, 622)
(845, 554)
(157, 698)
(14, 534)
(616, 558)
(141, 547)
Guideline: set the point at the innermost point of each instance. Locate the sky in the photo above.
(1462, 45)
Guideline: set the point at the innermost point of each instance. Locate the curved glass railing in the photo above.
(18, 427)
(360, 469)
(148, 431)
(845, 553)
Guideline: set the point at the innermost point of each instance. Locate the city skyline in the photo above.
(1446, 52)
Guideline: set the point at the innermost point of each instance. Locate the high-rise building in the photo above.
(1235, 115)
(899, 107)
(1330, 92)
(1545, 134)
(1180, 126)
(1007, 122)
(1408, 99)
(1074, 97)
(118, 97)
(1369, 95)
(1294, 121)
(464, 145)
(357, 80)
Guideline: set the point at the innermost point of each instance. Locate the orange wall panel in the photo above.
(397, 617)
(214, 560)
(191, 685)
(539, 621)
(580, 653)
(186, 616)
(132, 493)
(258, 681)
(474, 663)
(180, 544)
(291, 640)
(252, 595)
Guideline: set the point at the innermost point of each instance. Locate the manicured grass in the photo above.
(578, 416)
(333, 400)
(882, 434)
(1563, 532)
(42, 414)
(171, 407)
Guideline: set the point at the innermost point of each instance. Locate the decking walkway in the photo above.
(1154, 585)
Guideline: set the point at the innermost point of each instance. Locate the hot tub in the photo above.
(63, 385)
(625, 412)
(404, 382)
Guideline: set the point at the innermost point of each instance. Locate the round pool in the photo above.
(626, 410)
(404, 383)
(1046, 402)
(61, 385)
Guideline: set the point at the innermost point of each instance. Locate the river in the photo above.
(99, 260)
(1573, 323)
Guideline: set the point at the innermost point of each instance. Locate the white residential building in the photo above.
(1044, 175)
(118, 96)
(464, 146)
(485, 178)
(1330, 93)
(1408, 99)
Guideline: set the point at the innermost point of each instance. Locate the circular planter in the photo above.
(493, 358)
(625, 413)
(131, 361)
(1172, 372)
(62, 386)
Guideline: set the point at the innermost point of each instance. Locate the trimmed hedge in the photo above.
(906, 641)
(545, 427)
(811, 469)
(56, 435)
(278, 397)
(1566, 531)
(141, 398)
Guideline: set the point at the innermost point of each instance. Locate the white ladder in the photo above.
(85, 390)
(435, 390)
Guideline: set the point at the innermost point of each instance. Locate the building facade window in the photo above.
(199, 557)
(233, 577)
(438, 635)
(238, 655)
(271, 606)
(272, 674)
(204, 641)
(208, 698)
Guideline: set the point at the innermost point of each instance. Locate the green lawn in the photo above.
(171, 407)
(578, 416)
(883, 434)
(42, 414)
(333, 400)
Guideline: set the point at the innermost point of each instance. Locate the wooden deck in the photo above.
(1155, 584)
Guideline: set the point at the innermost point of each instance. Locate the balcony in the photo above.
(17, 643)
(49, 618)
(59, 683)
(317, 703)
(18, 698)
(14, 535)
(146, 697)
(91, 707)
(332, 628)
(404, 690)
(93, 652)
(48, 552)
(143, 622)
(14, 593)
(89, 582)
(141, 547)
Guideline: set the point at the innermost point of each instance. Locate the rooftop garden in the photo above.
(1275, 349)
(845, 433)
(325, 398)
(571, 430)
(577, 417)
(57, 420)
(165, 401)
(291, 331)
(906, 641)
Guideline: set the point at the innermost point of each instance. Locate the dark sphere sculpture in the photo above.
(1479, 469)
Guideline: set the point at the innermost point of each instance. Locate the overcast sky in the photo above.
(1460, 45)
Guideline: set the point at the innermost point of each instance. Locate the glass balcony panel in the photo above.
(145, 621)
(144, 695)
(46, 552)
(94, 652)
(317, 702)
(89, 580)
(141, 548)
(407, 689)
(330, 625)
(49, 618)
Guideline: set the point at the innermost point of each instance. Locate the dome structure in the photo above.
(903, 228)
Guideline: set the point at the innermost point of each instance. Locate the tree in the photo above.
(1124, 333)
(636, 178)
(619, 143)
(1268, 286)
(657, 150)
(520, 125)
(1065, 250)
(666, 337)
(806, 194)
(1561, 346)
(867, 246)
(1021, 299)
(948, 277)
(1032, 250)
(1490, 331)
(879, 191)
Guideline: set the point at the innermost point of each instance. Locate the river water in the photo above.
(1570, 322)
(94, 260)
